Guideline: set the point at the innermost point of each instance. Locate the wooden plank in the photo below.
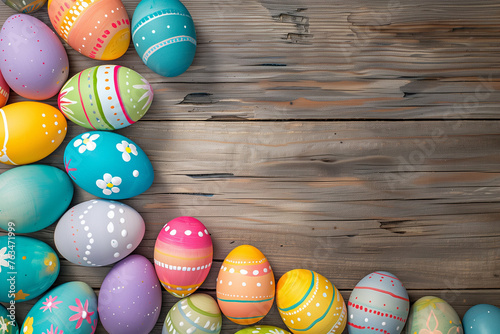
(341, 198)
(268, 60)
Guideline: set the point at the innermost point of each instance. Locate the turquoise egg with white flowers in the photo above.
(28, 268)
(164, 36)
(69, 308)
(33, 197)
(8, 324)
(108, 165)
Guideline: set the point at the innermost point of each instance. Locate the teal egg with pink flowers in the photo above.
(108, 165)
(69, 308)
(164, 36)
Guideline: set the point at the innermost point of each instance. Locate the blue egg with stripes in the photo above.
(164, 36)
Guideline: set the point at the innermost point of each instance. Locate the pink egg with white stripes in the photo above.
(183, 255)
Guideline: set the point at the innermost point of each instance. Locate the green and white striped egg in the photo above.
(106, 97)
(197, 314)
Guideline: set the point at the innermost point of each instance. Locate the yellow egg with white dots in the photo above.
(309, 303)
(29, 131)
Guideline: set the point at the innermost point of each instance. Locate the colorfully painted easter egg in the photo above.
(309, 303)
(482, 319)
(197, 313)
(33, 60)
(183, 255)
(106, 97)
(164, 36)
(69, 308)
(29, 267)
(130, 297)
(379, 303)
(4, 91)
(33, 197)
(98, 232)
(263, 329)
(433, 315)
(8, 324)
(245, 285)
(29, 131)
(25, 6)
(98, 29)
(108, 165)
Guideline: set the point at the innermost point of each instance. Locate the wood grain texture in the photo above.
(342, 137)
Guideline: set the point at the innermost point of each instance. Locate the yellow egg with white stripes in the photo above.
(245, 286)
(310, 304)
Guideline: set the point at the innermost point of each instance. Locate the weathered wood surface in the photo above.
(342, 137)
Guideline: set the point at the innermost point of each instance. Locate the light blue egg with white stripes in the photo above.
(164, 36)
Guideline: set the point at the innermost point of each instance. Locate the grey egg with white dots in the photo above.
(98, 232)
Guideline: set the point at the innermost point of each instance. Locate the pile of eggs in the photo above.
(111, 167)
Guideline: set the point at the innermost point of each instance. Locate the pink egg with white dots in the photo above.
(33, 60)
(183, 255)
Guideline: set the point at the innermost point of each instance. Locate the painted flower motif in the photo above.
(3, 325)
(64, 102)
(86, 142)
(126, 149)
(109, 184)
(50, 303)
(456, 330)
(94, 327)
(433, 322)
(28, 326)
(51, 262)
(4, 256)
(82, 313)
(428, 302)
(148, 94)
(53, 331)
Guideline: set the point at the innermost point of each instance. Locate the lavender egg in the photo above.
(33, 62)
(130, 297)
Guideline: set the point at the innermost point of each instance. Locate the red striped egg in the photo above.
(183, 255)
(245, 285)
(98, 29)
(378, 304)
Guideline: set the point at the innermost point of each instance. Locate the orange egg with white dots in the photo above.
(245, 285)
(29, 131)
(99, 29)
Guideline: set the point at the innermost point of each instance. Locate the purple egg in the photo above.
(130, 297)
(33, 60)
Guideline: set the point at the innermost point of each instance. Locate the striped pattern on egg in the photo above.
(183, 255)
(309, 303)
(164, 36)
(245, 285)
(106, 97)
(98, 29)
(196, 314)
(379, 303)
